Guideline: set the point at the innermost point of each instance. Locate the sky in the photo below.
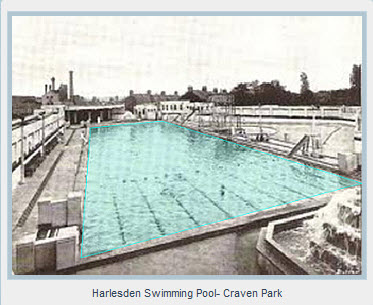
(112, 55)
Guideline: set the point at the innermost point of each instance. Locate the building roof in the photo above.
(164, 97)
(81, 102)
(197, 95)
(141, 98)
(144, 98)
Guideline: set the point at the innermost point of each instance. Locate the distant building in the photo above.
(221, 99)
(147, 98)
(146, 111)
(79, 109)
(196, 95)
(173, 107)
(54, 96)
(62, 92)
(170, 110)
(210, 97)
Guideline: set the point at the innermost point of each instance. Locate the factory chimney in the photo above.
(71, 87)
(46, 88)
(53, 79)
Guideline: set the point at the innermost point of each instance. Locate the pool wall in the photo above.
(248, 224)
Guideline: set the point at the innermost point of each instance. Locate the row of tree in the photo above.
(268, 93)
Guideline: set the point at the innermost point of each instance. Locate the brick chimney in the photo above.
(53, 83)
(71, 86)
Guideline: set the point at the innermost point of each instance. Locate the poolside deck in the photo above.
(280, 148)
(62, 171)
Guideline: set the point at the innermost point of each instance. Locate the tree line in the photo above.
(270, 93)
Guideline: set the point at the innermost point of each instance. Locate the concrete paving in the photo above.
(280, 148)
(23, 194)
(62, 180)
(229, 254)
(199, 258)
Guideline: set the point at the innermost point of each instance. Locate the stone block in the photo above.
(59, 213)
(347, 163)
(45, 254)
(66, 247)
(44, 212)
(74, 209)
(25, 262)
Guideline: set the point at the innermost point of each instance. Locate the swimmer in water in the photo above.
(222, 190)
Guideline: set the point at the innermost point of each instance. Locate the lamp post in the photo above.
(260, 119)
(315, 138)
(42, 153)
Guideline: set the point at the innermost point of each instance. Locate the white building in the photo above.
(32, 136)
(170, 110)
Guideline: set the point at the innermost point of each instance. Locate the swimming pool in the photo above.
(148, 180)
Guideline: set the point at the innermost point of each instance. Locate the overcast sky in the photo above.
(111, 55)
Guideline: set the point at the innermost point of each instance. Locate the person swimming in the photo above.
(222, 190)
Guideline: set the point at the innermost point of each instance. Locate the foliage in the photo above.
(305, 83)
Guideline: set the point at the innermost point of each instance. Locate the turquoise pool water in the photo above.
(149, 180)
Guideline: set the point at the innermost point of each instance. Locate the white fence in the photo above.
(301, 111)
